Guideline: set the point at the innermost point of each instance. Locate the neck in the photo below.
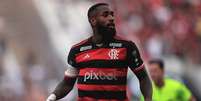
(97, 38)
(102, 35)
(160, 83)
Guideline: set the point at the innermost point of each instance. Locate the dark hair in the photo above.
(157, 61)
(93, 8)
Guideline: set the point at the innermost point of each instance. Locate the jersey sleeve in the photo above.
(71, 70)
(135, 61)
(71, 58)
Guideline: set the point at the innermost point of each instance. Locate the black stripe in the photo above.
(117, 81)
(103, 63)
(120, 95)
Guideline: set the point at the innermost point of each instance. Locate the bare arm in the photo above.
(145, 82)
(135, 63)
(64, 87)
(146, 87)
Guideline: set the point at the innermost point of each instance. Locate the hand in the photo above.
(52, 97)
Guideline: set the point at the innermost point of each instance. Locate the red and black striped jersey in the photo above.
(102, 68)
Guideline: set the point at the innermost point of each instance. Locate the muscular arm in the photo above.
(146, 87)
(145, 82)
(136, 64)
(64, 87)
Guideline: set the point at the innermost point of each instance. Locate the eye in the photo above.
(112, 13)
(105, 14)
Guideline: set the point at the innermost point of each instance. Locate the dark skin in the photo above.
(146, 88)
(104, 17)
(62, 89)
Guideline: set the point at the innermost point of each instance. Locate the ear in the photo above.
(93, 21)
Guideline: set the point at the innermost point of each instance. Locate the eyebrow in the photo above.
(110, 12)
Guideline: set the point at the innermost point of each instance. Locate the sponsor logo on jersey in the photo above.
(85, 48)
(115, 44)
(91, 75)
(113, 54)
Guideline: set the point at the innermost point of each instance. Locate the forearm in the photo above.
(146, 88)
(62, 89)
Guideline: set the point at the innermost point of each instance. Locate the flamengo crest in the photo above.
(113, 54)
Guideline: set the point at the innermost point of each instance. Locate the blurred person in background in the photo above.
(100, 63)
(167, 89)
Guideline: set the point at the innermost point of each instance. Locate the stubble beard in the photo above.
(106, 32)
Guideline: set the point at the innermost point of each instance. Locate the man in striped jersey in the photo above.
(100, 63)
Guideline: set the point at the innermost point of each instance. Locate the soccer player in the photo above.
(166, 89)
(100, 63)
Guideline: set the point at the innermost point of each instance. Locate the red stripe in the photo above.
(88, 87)
(106, 71)
(138, 69)
(101, 54)
(92, 99)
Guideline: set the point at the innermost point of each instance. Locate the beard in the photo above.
(107, 32)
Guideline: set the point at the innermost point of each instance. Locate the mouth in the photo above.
(111, 25)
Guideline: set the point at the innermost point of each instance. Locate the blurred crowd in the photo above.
(161, 28)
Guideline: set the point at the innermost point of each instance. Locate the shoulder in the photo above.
(76, 47)
(170, 80)
(121, 38)
(174, 83)
(81, 43)
(124, 40)
(178, 86)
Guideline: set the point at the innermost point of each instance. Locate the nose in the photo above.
(111, 18)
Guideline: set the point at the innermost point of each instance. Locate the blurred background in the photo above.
(36, 35)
